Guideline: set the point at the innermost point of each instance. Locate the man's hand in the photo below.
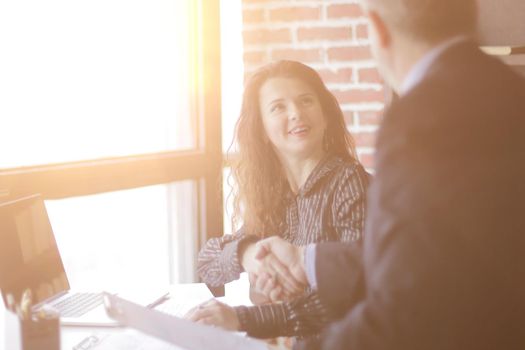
(214, 313)
(284, 261)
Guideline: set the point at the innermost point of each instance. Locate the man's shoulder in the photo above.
(465, 85)
(465, 113)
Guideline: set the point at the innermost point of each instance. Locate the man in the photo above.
(443, 258)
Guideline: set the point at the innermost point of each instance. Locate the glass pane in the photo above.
(227, 200)
(232, 67)
(120, 239)
(92, 79)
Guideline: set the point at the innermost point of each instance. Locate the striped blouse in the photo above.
(330, 206)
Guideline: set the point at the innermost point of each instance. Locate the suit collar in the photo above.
(420, 70)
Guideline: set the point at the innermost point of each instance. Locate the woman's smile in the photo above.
(301, 130)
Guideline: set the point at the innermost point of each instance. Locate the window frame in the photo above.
(204, 163)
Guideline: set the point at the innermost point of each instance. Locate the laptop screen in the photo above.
(29, 256)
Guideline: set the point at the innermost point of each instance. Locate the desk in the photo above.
(237, 293)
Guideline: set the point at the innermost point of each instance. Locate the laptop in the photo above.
(29, 258)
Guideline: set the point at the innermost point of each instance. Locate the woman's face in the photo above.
(292, 118)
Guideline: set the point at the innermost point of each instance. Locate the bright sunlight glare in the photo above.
(84, 80)
(91, 79)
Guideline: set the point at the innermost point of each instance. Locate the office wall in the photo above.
(502, 22)
(330, 36)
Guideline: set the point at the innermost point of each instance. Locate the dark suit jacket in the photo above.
(444, 247)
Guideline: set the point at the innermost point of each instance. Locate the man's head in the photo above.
(400, 27)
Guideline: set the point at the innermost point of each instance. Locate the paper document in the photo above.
(129, 339)
(183, 297)
(177, 331)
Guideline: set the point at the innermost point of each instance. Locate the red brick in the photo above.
(350, 53)
(359, 96)
(367, 160)
(253, 57)
(361, 31)
(324, 33)
(344, 11)
(349, 117)
(306, 55)
(266, 36)
(297, 13)
(370, 117)
(339, 76)
(253, 16)
(369, 75)
(364, 139)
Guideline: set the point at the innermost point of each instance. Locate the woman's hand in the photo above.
(282, 274)
(285, 260)
(214, 313)
(264, 289)
(270, 279)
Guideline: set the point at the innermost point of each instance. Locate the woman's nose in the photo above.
(294, 112)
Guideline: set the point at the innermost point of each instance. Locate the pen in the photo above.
(159, 301)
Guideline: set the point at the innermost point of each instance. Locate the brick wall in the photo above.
(330, 36)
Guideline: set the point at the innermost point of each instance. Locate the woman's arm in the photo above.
(303, 316)
(265, 321)
(221, 259)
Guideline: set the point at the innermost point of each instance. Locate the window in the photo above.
(232, 66)
(88, 80)
(111, 110)
(141, 234)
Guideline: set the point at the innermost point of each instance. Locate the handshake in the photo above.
(276, 270)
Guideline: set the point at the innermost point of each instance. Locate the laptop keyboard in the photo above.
(77, 304)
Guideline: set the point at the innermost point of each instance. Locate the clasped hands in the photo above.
(276, 272)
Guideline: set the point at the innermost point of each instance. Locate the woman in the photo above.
(298, 177)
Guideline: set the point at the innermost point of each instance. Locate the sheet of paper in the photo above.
(237, 292)
(12, 332)
(183, 297)
(177, 331)
(3, 338)
(130, 339)
(190, 291)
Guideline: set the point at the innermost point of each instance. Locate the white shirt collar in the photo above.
(420, 69)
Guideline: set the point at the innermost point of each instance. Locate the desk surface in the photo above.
(236, 294)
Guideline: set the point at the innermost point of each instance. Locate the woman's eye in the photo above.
(307, 101)
(277, 108)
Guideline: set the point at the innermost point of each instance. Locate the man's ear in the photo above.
(379, 27)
